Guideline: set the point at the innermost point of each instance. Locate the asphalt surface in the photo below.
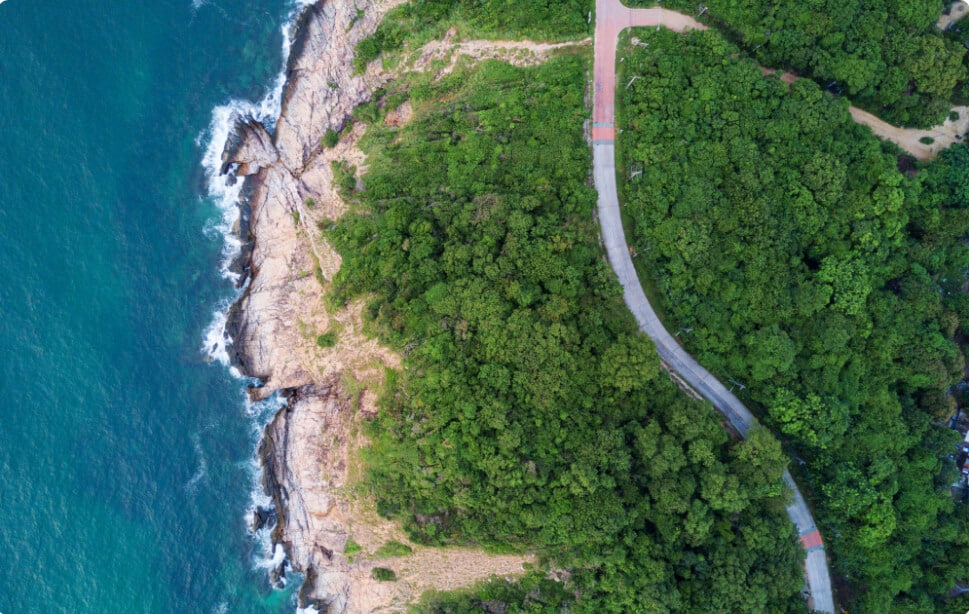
(611, 18)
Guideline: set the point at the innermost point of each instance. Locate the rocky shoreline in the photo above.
(307, 451)
(274, 323)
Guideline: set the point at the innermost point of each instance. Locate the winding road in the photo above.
(612, 17)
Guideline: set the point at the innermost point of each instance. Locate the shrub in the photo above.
(351, 547)
(330, 139)
(383, 574)
(344, 178)
(391, 549)
(326, 340)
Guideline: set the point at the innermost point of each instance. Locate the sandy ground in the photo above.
(959, 10)
(909, 139)
(450, 50)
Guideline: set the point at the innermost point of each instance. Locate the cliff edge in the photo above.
(308, 450)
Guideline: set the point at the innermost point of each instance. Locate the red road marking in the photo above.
(811, 540)
(603, 133)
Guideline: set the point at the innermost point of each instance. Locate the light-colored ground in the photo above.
(443, 55)
(958, 11)
(943, 136)
(909, 139)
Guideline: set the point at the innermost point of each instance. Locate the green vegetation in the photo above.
(808, 268)
(392, 549)
(344, 177)
(530, 413)
(330, 139)
(886, 55)
(532, 593)
(351, 547)
(383, 574)
(422, 20)
(326, 340)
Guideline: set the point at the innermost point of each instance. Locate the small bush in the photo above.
(926, 140)
(351, 547)
(330, 139)
(391, 549)
(310, 203)
(344, 178)
(954, 116)
(327, 340)
(383, 574)
(368, 112)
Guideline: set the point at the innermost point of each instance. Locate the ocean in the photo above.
(127, 453)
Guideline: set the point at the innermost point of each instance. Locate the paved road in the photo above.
(611, 18)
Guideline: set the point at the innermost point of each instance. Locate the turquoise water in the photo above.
(125, 455)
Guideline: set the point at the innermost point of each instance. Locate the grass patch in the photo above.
(326, 340)
(351, 547)
(392, 549)
(383, 574)
(330, 139)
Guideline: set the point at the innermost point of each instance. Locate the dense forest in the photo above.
(798, 261)
(530, 413)
(885, 55)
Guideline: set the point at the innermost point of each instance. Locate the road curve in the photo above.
(611, 18)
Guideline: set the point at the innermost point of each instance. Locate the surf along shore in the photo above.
(316, 359)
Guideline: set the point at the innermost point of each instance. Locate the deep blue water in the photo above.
(124, 455)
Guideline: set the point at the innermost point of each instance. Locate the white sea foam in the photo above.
(261, 413)
(203, 470)
(225, 190)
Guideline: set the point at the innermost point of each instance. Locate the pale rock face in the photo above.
(254, 150)
(305, 461)
(284, 293)
(306, 450)
(273, 326)
(322, 89)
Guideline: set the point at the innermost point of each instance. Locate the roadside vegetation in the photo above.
(800, 264)
(530, 413)
(885, 55)
(419, 21)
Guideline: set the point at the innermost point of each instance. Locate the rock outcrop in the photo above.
(274, 324)
(306, 449)
(285, 170)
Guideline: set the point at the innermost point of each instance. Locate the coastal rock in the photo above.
(251, 147)
(304, 461)
(274, 327)
(322, 89)
(282, 289)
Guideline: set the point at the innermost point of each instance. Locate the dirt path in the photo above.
(612, 17)
(910, 139)
(516, 53)
(942, 136)
(959, 10)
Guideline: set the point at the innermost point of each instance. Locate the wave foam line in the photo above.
(261, 414)
(225, 189)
